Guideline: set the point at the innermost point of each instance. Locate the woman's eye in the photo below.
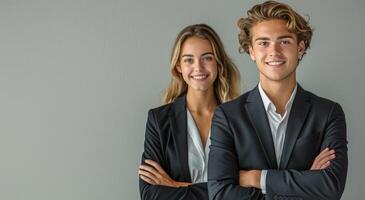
(208, 58)
(188, 60)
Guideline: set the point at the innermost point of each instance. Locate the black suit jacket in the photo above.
(166, 143)
(241, 139)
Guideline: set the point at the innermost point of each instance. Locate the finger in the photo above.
(149, 175)
(326, 156)
(156, 165)
(326, 159)
(327, 164)
(323, 153)
(322, 158)
(150, 169)
(148, 180)
(324, 150)
(315, 165)
(318, 157)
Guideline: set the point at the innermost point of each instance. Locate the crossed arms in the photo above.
(325, 183)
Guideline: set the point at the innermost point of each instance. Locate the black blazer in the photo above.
(166, 143)
(241, 139)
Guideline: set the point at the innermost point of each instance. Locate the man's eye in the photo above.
(263, 43)
(285, 42)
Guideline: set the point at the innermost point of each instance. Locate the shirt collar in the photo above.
(267, 102)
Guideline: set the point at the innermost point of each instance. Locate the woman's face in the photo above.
(197, 64)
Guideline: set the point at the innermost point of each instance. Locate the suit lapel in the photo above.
(298, 114)
(258, 118)
(178, 120)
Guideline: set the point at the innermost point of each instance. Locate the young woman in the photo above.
(175, 157)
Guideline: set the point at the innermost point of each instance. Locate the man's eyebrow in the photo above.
(279, 38)
(285, 37)
(262, 38)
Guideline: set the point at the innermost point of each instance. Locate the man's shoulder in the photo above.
(238, 102)
(319, 100)
(321, 104)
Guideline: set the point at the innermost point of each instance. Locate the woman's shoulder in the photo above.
(173, 108)
(161, 110)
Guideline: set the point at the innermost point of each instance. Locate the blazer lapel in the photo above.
(178, 120)
(298, 114)
(258, 118)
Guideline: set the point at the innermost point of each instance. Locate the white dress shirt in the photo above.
(278, 126)
(197, 154)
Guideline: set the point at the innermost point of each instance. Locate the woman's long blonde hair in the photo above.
(227, 84)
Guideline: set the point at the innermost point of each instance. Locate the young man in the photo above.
(265, 143)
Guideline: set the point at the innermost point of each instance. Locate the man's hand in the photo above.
(323, 160)
(250, 178)
(155, 175)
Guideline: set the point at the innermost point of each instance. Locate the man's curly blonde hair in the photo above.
(273, 10)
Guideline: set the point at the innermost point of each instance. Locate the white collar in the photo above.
(267, 102)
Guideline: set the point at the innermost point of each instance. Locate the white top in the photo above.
(278, 126)
(197, 154)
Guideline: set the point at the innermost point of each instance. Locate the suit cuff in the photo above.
(263, 181)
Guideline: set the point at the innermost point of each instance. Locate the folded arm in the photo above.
(151, 189)
(223, 171)
(327, 176)
(328, 183)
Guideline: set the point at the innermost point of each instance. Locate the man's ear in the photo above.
(301, 49)
(252, 53)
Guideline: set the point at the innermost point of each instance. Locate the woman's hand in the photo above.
(323, 160)
(155, 175)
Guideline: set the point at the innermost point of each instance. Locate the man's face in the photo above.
(275, 51)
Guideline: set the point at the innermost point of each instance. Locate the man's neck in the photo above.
(279, 93)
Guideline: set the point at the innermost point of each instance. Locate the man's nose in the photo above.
(275, 49)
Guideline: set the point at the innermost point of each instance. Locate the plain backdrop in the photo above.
(77, 78)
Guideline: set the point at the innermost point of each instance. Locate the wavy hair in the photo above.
(273, 10)
(227, 83)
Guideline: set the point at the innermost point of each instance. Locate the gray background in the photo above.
(77, 78)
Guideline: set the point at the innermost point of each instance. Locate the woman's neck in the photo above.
(201, 101)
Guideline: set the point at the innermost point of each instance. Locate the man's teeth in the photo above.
(199, 77)
(274, 63)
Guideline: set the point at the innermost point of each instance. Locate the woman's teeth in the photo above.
(199, 77)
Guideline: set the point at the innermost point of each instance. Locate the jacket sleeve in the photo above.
(153, 150)
(223, 170)
(318, 184)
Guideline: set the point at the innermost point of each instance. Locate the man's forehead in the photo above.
(271, 29)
